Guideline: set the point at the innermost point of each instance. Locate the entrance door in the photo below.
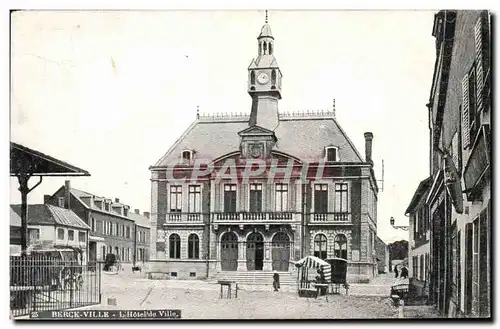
(281, 252)
(255, 252)
(229, 251)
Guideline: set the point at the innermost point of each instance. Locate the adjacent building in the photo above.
(459, 200)
(53, 226)
(383, 257)
(419, 236)
(257, 192)
(113, 229)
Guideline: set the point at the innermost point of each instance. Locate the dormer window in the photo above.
(187, 156)
(331, 154)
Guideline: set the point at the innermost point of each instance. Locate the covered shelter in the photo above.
(307, 272)
(26, 163)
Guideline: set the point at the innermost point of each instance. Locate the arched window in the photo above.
(260, 48)
(265, 48)
(193, 246)
(252, 77)
(270, 48)
(175, 246)
(340, 246)
(320, 244)
(273, 76)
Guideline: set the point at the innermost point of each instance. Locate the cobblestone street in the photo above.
(200, 300)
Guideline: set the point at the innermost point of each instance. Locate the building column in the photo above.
(242, 254)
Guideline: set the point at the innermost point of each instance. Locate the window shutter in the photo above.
(465, 111)
(478, 33)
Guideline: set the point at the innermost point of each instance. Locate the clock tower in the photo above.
(264, 82)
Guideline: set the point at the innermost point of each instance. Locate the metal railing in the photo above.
(42, 283)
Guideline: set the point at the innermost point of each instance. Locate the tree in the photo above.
(398, 250)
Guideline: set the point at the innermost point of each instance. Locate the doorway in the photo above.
(281, 252)
(255, 252)
(229, 251)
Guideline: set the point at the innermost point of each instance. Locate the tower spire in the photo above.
(266, 17)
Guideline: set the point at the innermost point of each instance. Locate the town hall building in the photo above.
(311, 192)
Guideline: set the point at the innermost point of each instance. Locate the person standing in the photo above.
(396, 271)
(404, 272)
(276, 281)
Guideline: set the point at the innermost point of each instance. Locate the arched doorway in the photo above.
(229, 251)
(255, 252)
(281, 251)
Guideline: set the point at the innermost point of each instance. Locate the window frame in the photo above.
(342, 192)
(174, 246)
(193, 246)
(282, 190)
(255, 194)
(175, 192)
(194, 191)
(327, 149)
(318, 244)
(341, 243)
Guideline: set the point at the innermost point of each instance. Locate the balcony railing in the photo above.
(252, 216)
(183, 217)
(330, 217)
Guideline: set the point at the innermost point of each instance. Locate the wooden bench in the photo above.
(228, 284)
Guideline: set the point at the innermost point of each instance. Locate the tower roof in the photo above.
(266, 31)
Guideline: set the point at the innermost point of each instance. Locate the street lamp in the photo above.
(398, 227)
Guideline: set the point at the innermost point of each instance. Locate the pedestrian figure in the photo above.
(396, 270)
(404, 272)
(276, 281)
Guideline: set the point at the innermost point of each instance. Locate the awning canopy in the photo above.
(315, 263)
(35, 163)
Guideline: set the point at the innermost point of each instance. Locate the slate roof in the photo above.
(139, 219)
(304, 138)
(422, 191)
(45, 214)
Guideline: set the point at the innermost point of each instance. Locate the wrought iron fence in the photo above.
(43, 283)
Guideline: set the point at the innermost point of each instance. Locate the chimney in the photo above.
(67, 193)
(117, 200)
(146, 214)
(368, 147)
(46, 198)
(137, 211)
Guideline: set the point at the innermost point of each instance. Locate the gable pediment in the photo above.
(255, 131)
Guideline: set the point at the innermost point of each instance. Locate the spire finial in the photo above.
(197, 111)
(334, 107)
(266, 17)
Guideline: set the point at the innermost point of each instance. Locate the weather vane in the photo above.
(266, 16)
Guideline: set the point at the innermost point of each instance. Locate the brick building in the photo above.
(113, 227)
(458, 202)
(220, 221)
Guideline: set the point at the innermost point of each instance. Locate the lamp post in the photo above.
(398, 227)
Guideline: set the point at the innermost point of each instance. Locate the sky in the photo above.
(110, 92)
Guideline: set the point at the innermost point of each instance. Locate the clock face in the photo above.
(263, 78)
